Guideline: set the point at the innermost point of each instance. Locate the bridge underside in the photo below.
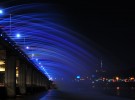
(17, 74)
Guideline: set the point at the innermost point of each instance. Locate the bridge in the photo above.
(18, 75)
(37, 46)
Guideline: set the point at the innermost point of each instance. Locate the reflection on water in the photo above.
(127, 92)
(105, 93)
(118, 91)
(82, 94)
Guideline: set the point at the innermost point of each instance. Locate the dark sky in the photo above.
(110, 25)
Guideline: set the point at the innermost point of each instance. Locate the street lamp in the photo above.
(117, 78)
(1, 11)
(27, 47)
(18, 35)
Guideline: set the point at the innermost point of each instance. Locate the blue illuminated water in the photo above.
(37, 29)
(82, 94)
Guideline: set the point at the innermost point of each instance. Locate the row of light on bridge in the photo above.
(18, 35)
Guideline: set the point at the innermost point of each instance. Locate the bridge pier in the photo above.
(34, 78)
(29, 79)
(22, 78)
(40, 84)
(39, 80)
(29, 76)
(10, 75)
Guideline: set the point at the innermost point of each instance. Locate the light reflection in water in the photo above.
(118, 90)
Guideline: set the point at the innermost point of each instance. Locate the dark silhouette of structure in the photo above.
(18, 75)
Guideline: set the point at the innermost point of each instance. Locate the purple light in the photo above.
(27, 47)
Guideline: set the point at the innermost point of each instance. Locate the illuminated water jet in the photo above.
(53, 48)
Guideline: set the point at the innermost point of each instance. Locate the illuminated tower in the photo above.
(101, 64)
(102, 71)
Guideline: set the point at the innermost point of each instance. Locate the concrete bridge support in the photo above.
(22, 78)
(38, 79)
(10, 75)
(29, 76)
(34, 77)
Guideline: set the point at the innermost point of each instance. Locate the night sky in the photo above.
(111, 26)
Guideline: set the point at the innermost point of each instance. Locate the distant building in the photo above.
(100, 73)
